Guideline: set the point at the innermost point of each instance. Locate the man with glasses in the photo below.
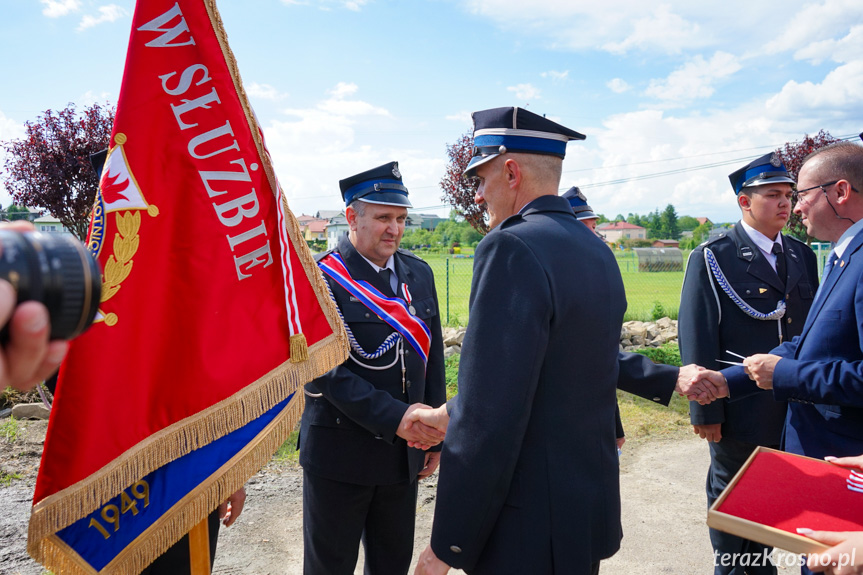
(744, 292)
(821, 372)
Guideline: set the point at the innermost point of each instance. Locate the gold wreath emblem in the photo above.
(119, 264)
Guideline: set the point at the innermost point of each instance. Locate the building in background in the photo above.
(613, 232)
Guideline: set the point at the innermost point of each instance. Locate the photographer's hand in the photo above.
(28, 357)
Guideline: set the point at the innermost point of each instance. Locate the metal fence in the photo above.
(652, 289)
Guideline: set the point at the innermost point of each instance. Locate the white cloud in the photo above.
(58, 8)
(694, 80)
(462, 117)
(632, 145)
(845, 49)
(264, 92)
(618, 86)
(811, 32)
(340, 135)
(108, 13)
(555, 75)
(837, 99)
(613, 25)
(90, 97)
(353, 5)
(663, 30)
(525, 92)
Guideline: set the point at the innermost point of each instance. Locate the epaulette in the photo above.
(410, 254)
(722, 236)
(801, 242)
(320, 256)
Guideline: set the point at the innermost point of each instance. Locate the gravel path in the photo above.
(661, 483)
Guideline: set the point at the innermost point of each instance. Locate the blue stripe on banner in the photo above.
(522, 143)
(102, 535)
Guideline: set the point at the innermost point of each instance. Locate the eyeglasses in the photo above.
(799, 195)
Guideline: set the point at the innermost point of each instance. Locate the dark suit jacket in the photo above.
(529, 470)
(349, 434)
(821, 375)
(709, 323)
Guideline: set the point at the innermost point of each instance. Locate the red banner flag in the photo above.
(213, 312)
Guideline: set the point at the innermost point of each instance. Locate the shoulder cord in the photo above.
(713, 266)
(393, 340)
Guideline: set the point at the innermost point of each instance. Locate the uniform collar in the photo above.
(763, 243)
(547, 203)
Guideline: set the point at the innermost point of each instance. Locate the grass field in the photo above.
(645, 291)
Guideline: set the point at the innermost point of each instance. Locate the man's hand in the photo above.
(28, 358)
(431, 462)
(760, 369)
(620, 441)
(436, 418)
(845, 557)
(701, 385)
(711, 432)
(429, 564)
(230, 510)
(417, 433)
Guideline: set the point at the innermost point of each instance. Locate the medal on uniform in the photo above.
(408, 298)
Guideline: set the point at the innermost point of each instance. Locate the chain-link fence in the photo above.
(653, 278)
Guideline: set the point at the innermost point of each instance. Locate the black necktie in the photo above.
(781, 264)
(385, 275)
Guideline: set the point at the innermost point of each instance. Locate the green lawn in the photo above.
(645, 291)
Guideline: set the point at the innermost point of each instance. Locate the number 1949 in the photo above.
(111, 513)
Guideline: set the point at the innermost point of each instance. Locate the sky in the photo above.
(672, 95)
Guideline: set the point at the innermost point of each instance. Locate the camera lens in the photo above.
(56, 270)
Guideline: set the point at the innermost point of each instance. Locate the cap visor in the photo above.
(773, 180)
(387, 199)
(470, 171)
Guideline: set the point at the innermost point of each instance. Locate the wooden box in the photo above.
(775, 492)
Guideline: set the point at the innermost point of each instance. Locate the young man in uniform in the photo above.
(744, 292)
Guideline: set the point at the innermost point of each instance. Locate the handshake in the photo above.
(423, 426)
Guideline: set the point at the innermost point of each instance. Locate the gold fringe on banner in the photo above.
(79, 500)
(299, 348)
(186, 513)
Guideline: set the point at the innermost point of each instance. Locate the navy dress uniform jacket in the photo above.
(349, 433)
(709, 323)
(529, 469)
(822, 374)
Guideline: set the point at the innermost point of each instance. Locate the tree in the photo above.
(14, 212)
(459, 191)
(687, 223)
(668, 223)
(50, 167)
(792, 156)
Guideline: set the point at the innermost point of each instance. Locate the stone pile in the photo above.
(639, 334)
(633, 335)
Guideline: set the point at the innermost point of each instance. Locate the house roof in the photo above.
(702, 221)
(618, 226)
(667, 242)
(318, 226)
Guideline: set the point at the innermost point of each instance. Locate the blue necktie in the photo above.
(828, 265)
(831, 259)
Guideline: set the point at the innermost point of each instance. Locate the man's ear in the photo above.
(351, 216)
(512, 172)
(843, 191)
(744, 201)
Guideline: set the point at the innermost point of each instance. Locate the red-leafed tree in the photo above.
(792, 156)
(459, 191)
(50, 167)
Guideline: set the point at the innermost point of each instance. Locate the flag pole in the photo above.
(199, 549)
